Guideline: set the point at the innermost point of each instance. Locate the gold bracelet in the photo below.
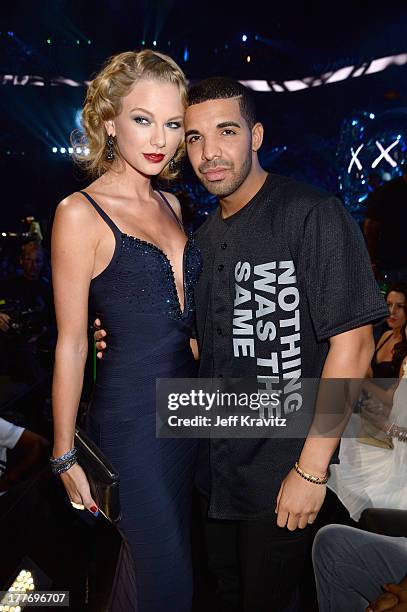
(310, 477)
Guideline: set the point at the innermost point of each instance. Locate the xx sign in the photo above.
(384, 154)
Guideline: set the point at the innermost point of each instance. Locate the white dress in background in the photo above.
(368, 476)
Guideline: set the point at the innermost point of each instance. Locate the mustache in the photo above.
(220, 163)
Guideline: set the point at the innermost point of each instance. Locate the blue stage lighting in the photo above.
(54, 149)
(186, 54)
(372, 115)
(62, 150)
(78, 119)
(244, 38)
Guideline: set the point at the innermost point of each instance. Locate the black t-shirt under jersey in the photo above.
(292, 266)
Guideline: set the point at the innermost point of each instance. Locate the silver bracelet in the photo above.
(65, 457)
(64, 462)
(63, 467)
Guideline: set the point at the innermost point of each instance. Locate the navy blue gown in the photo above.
(148, 338)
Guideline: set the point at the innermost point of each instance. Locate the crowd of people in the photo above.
(277, 283)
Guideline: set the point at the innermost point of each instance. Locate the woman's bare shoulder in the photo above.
(75, 206)
(384, 336)
(77, 213)
(75, 218)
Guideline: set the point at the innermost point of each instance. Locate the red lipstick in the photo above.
(155, 158)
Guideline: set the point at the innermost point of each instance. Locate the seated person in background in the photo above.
(27, 320)
(28, 448)
(353, 568)
(30, 289)
(382, 365)
(373, 458)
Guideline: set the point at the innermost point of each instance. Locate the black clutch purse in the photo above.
(102, 477)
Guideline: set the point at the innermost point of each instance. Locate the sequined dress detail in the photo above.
(137, 301)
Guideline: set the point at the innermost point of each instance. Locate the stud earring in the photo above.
(110, 148)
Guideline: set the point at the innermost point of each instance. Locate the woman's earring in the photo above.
(172, 166)
(110, 148)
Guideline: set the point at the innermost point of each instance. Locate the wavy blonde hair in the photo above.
(103, 102)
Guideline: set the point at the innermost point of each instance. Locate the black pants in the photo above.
(257, 565)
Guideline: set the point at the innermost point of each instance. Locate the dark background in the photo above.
(286, 40)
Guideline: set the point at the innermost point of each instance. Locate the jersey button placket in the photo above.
(220, 337)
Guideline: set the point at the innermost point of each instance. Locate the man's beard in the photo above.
(226, 187)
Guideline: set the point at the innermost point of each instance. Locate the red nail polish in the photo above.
(93, 508)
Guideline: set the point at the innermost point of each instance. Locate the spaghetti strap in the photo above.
(171, 209)
(383, 343)
(379, 347)
(102, 213)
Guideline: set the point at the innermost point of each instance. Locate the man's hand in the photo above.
(4, 322)
(98, 335)
(394, 599)
(298, 501)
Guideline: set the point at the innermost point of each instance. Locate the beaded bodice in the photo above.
(139, 281)
(142, 277)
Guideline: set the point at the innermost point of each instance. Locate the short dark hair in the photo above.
(222, 88)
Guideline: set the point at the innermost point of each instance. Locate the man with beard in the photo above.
(286, 292)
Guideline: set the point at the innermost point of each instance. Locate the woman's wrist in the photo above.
(63, 467)
(62, 463)
(62, 446)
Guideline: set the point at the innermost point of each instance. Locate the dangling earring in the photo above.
(172, 166)
(110, 148)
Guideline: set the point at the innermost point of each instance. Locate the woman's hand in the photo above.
(77, 486)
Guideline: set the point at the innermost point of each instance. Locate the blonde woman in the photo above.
(120, 246)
